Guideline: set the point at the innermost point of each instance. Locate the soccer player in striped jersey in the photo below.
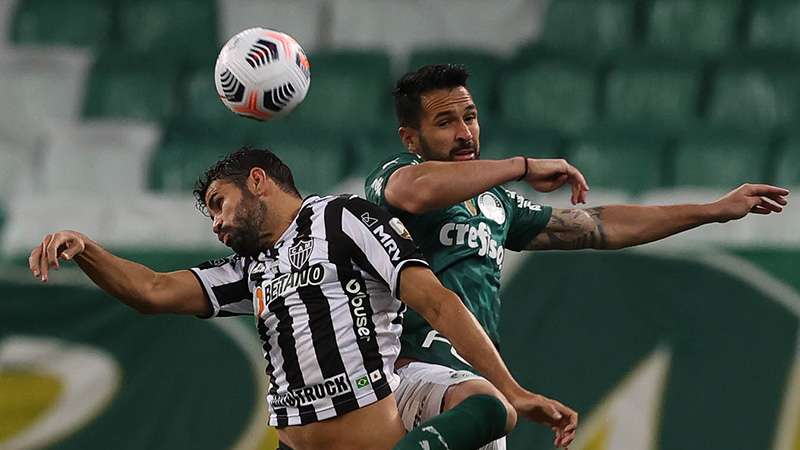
(464, 220)
(323, 277)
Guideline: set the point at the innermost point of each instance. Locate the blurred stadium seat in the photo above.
(302, 19)
(700, 26)
(176, 31)
(589, 26)
(617, 160)
(659, 90)
(499, 29)
(787, 162)
(99, 156)
(131, 85)
(483, 69)
(200, 100)
(42, 22)
(388, 25)
(773, 25)
(757, 92)
(350, 91)
(721, 159)
(499, 142)
(397, 26)
(558, 93)
(133, 221)
(40, 86)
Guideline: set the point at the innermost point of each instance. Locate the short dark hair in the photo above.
(236, 166)
(411, 86)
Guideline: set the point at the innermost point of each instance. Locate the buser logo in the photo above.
(358, 308)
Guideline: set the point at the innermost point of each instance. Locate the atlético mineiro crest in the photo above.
(300, 252)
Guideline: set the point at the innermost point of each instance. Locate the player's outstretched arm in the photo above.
(620, 226)
(137, 286)
(433, 185)
(422, 291)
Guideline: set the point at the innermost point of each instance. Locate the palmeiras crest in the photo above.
(299, 253)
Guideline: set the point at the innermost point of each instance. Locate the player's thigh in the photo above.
(427, 390)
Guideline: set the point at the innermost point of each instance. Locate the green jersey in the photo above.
(464, 245)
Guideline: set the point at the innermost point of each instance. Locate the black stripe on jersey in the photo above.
(232, 292)
(320, 323)
(281, 416)
(291, 365)
(263, 333)
(340, 252)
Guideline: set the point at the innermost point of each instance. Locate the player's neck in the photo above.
(280, 218)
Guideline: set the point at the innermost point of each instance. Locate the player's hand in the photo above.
(61, 245)
(547, 175)
(538, 408)
(750, 198)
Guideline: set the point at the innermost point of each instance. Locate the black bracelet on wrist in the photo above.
(525, 160)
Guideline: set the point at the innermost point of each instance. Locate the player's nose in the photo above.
(463, 132)
(216, 225)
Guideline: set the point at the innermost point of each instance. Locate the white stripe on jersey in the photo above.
(379, 252)
(327, 317)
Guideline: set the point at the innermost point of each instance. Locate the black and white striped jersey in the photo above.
(326, 307)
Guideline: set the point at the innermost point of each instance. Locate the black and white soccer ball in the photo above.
(262, 74)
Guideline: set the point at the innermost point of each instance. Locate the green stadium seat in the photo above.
(350, 90)
(599, 25)
(482, 67)
(317, 160)
(755, 95)
(550, 93)
(369, 149)
(720, 159)
(787, 164)
(615, 159)
(505, 142)
(55, 22)
(773, 25)
(181, 30)
(130, 86)
(659, 90)
(200, 99)
(701, 26)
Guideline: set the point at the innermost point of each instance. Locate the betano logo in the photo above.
(63, 386)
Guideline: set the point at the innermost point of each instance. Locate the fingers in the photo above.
(33, 261)
(579, 185)
(765, 190)
(52, 250)
(45, 256)
(764, 206)
(42, 262)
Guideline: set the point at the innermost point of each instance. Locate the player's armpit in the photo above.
(572, 229)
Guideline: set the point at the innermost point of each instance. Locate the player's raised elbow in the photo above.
(407, 198)
(412, 190)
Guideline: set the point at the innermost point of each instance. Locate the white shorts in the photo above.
(420, 395)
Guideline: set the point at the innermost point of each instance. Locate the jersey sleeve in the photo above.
(375, 184)
(225, 285)
(382, 244)
(528, 219)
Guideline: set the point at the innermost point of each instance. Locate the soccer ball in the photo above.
(262, 74)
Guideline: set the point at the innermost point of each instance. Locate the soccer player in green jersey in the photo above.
(464, 220)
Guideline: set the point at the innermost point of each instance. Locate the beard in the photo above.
(245, 236)
(428, 154)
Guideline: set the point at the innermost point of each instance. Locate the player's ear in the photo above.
(258, 182)
(409, 137)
